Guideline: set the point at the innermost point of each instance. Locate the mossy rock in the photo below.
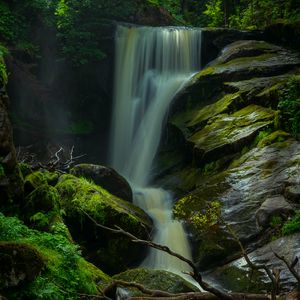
(155, 280)
(112, 253)
(238, 280)
(25, 169)
(63, 265)
(38, 178)
(19, 263)
(106, 177)
(229, 133)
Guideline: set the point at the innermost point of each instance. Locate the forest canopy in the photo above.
(79, 25)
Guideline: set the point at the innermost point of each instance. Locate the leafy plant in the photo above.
(292, 225)
(289, 106)
(208, 218)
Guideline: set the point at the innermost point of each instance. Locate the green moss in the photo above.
(80, 194)
(38, 178)
(224, 105)
(66, 273)
(292, 225)
(3, 70)
(247, 60)
(205, 72)
(2, 171)
(274, 137)
(25, 169)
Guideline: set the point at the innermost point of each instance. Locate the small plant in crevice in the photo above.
(292, 225)
(276, 224)
(208, 218)
(289, 106)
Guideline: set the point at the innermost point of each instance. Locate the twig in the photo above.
(290, 266)
(274, 280)
(195, 274)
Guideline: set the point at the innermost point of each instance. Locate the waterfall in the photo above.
(152, 64)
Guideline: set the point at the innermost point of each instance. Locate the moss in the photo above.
(156, 280)
(241, 280)
(292, 225)
(25, 169)
(19, 262)
(224, 105)
(65, 269)
(38, 178)
(274, 137)
(112, 253)
(42, 208)
(247, 60)
(3, 70)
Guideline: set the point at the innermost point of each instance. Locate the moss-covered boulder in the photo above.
(106, 177)
(62, 263)
(229, 133)
(155, 280)
(20, 263)
(38, 178)
(11, 185)
(113, 253)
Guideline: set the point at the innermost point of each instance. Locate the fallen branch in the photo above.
(273, 276)
(213, 292)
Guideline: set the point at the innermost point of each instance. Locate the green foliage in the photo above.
(208, 218)
(289, 106)
(66, 273)
(3, 71)
(214, 12)
(2, 171)
(292, 225)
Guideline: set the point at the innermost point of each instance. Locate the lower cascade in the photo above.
(152, 65)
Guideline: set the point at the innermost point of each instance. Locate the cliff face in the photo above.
(10, 178)
(232, 158)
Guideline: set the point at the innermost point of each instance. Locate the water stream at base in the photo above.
(152, 64)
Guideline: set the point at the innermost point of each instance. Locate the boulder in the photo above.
(20, 263)
(292, 193)
(229, 133)
(287, 246)
(271, 207)
(111, 252)
(156, 280)
(258, 174)
(106, 177)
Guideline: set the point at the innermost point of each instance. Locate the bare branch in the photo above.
(196, 275)
(275, 278)
(290, 266)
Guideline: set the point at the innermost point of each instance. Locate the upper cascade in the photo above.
(152, 65)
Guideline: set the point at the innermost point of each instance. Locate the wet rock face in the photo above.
(156, 280)
(287, 247)
(10, 178)
(19, 263)
(274, 206)
(105, 177)
(239, 156)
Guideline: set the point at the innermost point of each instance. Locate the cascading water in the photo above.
(152, 65)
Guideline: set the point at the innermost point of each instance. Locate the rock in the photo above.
(106, 177)
(215, 39)
(294, 295)
(287, 246)
(293, 193)
(38, 178)
(274, 206)
(112, 253)
(284, 33)
(11, 185)
(19, 263)
(227, 134)
(259, 174)
(156, 280)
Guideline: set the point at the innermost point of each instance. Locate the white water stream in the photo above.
(151, 66)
